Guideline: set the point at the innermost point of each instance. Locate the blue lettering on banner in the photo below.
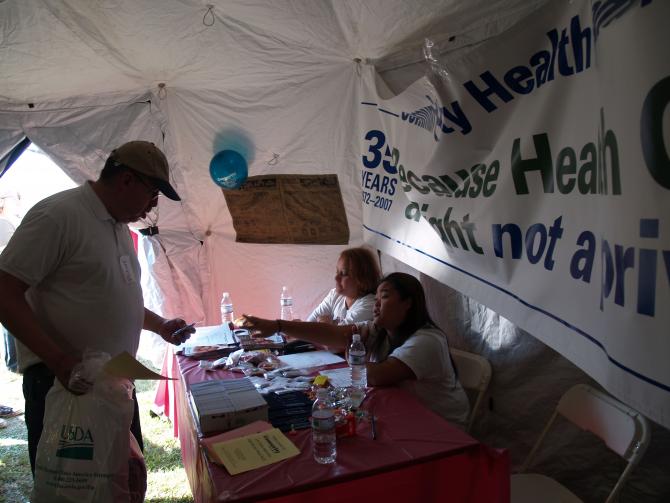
(568, 54)
(435, 118)
(428, 117)
(535, 248)
(604, 12)
(384, 182)
(534, 307)
(377, 144)
(615, 264)
(617, 260)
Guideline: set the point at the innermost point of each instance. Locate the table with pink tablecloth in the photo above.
(416, 456)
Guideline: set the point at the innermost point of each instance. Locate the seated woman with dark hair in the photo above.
(353, 298)
(404, 346)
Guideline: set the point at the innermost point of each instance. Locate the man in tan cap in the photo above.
(70, 278)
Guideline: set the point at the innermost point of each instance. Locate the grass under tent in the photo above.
(167, 482)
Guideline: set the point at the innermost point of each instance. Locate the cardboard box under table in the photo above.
(222, 405)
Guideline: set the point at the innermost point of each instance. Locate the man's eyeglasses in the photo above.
(154, 191)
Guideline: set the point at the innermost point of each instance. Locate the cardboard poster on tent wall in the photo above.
(533, 174)
(292, 209)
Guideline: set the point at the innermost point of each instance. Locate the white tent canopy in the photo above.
(283, 79)
(82, 77)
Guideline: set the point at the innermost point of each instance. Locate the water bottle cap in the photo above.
(356, 338)
(225, 299)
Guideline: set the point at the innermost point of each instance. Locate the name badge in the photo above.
(127, 269)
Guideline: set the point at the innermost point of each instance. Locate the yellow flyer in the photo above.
(253, 451)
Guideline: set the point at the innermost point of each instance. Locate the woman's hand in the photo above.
(259, 327)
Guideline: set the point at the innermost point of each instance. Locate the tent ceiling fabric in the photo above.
(281, 76)
(65, 48)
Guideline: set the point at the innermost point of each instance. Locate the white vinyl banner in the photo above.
(533, 174)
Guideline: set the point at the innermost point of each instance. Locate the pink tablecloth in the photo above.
(417, 456)
(165, 394)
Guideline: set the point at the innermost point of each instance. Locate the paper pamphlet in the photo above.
(124, 365)
(339, 378)
(209, 336)
(249, 429)
(310, 359)
(253, 451)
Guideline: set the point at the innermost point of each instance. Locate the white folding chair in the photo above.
(474, 372)
(623, 430)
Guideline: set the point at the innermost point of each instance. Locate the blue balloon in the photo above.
(228, 169)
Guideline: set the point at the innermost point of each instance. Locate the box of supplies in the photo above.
(226, 404)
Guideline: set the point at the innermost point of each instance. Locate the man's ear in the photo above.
(125, 179)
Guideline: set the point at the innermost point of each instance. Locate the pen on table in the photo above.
(373, 430)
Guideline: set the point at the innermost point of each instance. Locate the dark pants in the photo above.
(37, 381)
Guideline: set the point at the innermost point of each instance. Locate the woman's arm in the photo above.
(324, 309)
(389, 372)
(336, 337)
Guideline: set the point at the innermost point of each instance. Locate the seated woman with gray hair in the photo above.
(352, 299)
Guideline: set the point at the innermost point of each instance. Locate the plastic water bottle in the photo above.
(359, 373)
(324, 443)
(227, 316)
(285, 304)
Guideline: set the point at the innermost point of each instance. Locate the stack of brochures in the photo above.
(249, 447)
(289, 410)
(226, 404)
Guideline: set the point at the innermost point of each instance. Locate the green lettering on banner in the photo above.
(541, 163)
(598, 175)
(651, 132)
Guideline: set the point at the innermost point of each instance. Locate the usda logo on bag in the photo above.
(75, 442)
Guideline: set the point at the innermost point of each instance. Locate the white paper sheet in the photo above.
(310, 359)
(209, 336)
(340, 378)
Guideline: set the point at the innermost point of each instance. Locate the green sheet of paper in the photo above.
(124, 365)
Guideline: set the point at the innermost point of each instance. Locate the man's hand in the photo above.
(69, 373)
(175, 331)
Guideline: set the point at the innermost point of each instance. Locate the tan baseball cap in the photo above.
(146, 158)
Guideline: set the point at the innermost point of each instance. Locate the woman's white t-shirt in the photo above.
(334, 306)
(426, 353)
